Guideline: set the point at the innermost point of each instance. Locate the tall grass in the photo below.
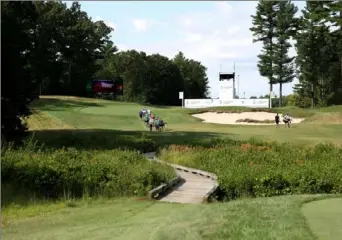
(31, 172)
(257, 168)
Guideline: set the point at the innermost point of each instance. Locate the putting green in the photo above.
(325, 218)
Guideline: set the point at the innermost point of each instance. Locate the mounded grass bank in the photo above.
(31, 173)
(261, 169)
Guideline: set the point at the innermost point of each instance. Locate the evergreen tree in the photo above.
(286, 27)
(264, 31)
(335, 17)
(313, 53)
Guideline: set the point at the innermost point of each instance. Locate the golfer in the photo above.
(277, 120)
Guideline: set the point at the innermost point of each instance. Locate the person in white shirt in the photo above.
(287, 120)
(143, 111)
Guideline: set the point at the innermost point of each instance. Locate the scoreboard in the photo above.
(106, 86)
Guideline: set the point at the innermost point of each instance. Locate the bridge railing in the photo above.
(166, 186)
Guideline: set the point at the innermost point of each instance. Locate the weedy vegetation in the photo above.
(33, 172)
(262, 169)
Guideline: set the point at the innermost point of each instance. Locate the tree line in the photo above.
(318, 36)
(51, 49)
(154, 78)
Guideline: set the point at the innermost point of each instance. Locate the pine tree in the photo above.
(313, 55)
(335, 18)
(264, 24)
(286, 27)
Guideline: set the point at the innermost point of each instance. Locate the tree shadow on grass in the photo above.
(102, 139)
(147, 105)
(53, 104)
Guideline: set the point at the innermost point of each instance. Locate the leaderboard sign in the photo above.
(106, 86)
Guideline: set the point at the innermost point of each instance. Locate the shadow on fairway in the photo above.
(147, 105)
(113, 139)
(54, 104)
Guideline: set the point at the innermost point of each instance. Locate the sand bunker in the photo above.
(231, 118)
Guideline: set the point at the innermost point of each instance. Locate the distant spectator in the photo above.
(156, 123)
(146, 118)
(150, 123)
(287, 120)
(277, 120)
(140, 113)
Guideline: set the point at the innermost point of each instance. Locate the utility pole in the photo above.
(69, 71)
(238, 82)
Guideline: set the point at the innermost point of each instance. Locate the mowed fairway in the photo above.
(113, 118)
(254, 219)
(99, 121)
(325, 218)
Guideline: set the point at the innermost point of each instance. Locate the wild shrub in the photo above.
(72, 173)
(259, 169)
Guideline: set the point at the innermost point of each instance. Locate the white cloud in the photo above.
(191, 38)
(217, 38)
(234, 29)
(140, 25)
(224, 7)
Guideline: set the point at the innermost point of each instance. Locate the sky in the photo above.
(213, 32)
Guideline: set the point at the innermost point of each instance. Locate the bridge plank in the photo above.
(193, 188)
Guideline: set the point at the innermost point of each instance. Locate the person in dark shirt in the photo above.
(140, 114)
(277, 120)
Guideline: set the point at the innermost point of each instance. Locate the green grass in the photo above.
(324, 218)
(88, 124)
(31, 173)
(261, 169)
(93, 118)
(262, 218)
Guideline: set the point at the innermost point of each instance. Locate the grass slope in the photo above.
(42, 120)
(101, 123)
(93, 117)
(325, 218)
(263, 218)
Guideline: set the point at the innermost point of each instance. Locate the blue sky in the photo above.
(215, 33)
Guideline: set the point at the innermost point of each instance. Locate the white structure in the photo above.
(227, 90)
(227, 95)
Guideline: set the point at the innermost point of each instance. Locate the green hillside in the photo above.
(95, 127)
(114, 119)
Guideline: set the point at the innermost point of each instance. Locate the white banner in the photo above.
(206, 103)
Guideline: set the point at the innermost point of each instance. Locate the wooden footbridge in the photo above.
(191, 185)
